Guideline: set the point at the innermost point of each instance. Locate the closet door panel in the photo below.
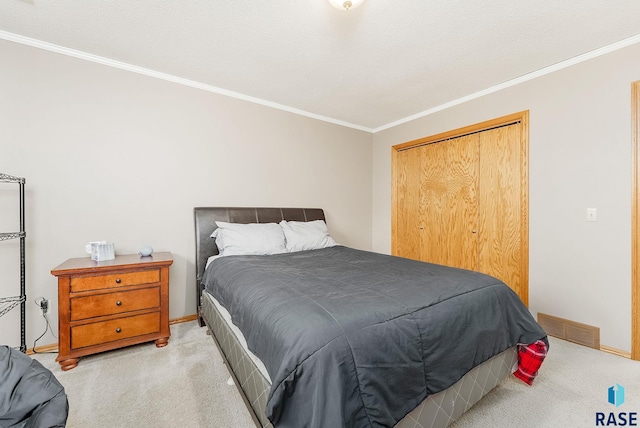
(500, 215)
(449, 202)
(407, 235)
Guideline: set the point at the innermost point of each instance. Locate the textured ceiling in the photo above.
(368, 68)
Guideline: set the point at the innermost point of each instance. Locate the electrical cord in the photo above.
(38, 301)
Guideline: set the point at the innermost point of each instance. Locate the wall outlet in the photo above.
(45, 306)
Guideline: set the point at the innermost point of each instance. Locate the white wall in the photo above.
(580, 157)
(113, 155)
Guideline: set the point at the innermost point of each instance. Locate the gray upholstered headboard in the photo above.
(205, 223)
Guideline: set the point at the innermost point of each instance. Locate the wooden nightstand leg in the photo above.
(68, 364)
(162, 342)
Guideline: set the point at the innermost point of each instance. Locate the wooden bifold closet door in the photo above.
(461, 200)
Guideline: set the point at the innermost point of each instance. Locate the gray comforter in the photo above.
(358, 339)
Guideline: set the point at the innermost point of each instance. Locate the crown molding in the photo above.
(210, 88)
(530, 76)
(169, 77)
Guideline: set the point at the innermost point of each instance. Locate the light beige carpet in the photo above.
(185, 385)
(571, 387)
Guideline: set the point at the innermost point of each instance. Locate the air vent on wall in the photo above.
(572, 331)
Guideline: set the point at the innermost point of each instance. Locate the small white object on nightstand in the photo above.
(146, 251)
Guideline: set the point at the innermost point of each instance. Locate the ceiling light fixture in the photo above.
(345, 4)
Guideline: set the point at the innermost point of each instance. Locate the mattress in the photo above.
(436, 411)
(226, 316)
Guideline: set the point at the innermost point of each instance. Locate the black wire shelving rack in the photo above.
(8, 303)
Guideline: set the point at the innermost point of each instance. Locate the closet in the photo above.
(461, 199)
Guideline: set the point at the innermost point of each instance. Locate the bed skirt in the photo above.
(436, 411)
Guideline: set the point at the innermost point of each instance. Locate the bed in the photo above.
(367, 357)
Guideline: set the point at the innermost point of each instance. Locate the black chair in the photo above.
(30, 395)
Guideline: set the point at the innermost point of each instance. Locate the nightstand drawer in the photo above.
(98, 305)
(84, 283)
(110, 331)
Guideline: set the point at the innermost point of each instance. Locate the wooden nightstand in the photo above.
(110, 304)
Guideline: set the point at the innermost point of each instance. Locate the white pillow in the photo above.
(306, 235)
(235, 239)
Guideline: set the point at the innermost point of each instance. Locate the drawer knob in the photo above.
(118, 303)
(118, 330)
(118, 281)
